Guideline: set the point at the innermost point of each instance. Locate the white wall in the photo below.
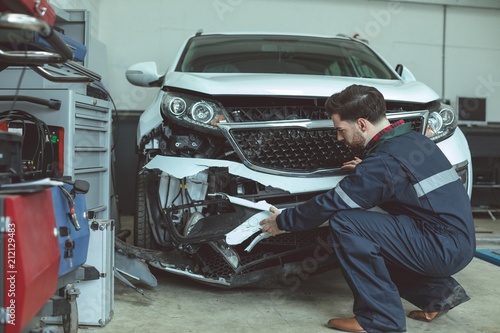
(402, 32)
(473, 57)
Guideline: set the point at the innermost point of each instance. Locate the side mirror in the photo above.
(399, 69)
(144, 74)
(405, 73)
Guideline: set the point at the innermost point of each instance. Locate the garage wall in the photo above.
(129, 31)
(473, 57)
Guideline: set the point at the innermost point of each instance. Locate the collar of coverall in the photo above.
(395, 129)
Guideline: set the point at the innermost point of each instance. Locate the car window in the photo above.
(281, 54)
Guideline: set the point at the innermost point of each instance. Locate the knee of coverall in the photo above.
(340, 223)
(348, 229)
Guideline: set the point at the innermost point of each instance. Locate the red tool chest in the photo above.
(30, 261)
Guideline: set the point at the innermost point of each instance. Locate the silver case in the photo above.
(96, 299)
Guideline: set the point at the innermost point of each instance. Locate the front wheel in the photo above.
(143, 236)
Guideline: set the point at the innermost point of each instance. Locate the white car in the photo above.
(238, 125)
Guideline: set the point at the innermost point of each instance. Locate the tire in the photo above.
(143, 236)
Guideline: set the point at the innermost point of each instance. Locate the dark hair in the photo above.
(355, 102)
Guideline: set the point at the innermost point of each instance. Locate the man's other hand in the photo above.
(350, 165)
(269, 224)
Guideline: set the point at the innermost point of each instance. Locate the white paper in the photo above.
(39, 182)
(247, 228)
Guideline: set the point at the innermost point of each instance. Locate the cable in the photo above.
(168, 192)
(115, 111)
(72, 212)
(190, 199)
(18, 87)
(178, 193)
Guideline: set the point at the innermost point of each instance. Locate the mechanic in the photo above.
(423, 233)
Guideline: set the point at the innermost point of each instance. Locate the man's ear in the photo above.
(362, 124)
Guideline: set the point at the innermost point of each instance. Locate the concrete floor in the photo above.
(184, 306)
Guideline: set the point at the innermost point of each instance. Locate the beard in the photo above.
(357, 145)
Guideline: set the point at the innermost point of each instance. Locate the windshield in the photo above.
(281, 54)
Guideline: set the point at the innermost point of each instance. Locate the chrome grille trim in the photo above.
(303, 142)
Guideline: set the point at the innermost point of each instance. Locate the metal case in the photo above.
(96, 299)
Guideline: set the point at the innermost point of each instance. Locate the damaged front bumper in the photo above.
(216, 238)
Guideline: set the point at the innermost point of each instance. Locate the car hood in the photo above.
(294, 85)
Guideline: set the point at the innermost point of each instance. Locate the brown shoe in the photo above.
(457, 297)
(426, 316)
(346, 325)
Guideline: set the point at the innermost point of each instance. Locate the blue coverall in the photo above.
(425, 235)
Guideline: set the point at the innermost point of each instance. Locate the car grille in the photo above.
(275, 113)
(298, 147)
(292, 149)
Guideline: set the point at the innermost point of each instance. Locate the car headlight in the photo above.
(441, 123)
(177, 106)
(192, 111)
(202, 112)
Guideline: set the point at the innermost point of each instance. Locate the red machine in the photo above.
(39, 9)
(30, 261)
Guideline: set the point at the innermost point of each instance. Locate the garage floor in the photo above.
(184, 306)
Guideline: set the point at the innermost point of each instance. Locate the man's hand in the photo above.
(350, 165)
(269, 224)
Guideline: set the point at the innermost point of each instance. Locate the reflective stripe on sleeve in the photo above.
(436, 181)
(346, 198)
